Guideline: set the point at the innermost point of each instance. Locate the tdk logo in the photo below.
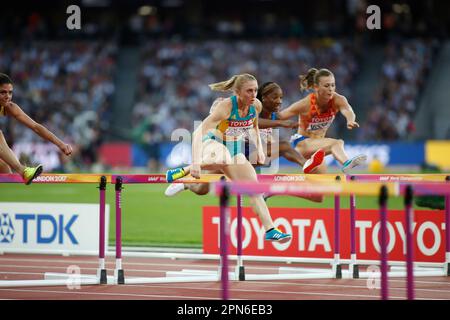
(49, 228)
(6, 229)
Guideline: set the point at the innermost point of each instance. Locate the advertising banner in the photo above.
(313, 233)
(51, 227)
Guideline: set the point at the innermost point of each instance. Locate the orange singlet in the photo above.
(315, 120)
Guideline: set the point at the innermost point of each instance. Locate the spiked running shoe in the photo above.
(276, 235)
(353, 162)
(174, 189)
(174, 174)
(29, 174)
(313, 162)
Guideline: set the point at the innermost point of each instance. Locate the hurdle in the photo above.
(370, 188)
(399, 269)
(61, 279)
(315, 186)
(284, 272)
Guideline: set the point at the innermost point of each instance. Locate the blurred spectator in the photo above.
(375, 165)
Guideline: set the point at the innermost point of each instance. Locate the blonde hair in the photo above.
(235, 82)
(312, 77)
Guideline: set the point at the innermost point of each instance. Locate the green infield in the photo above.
(152, 219)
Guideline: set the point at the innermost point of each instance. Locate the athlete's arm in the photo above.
(297, 108)
(268, 123)
(15, 111)
(347, 111)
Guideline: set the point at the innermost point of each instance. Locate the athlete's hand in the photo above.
(261, 157)
(352, 124)
(289, 124)
(66, 149)
(195, 171)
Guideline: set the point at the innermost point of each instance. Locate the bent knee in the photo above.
(201, 188)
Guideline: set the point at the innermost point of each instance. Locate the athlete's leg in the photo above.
(334, 147)
(246, 172)
(287, 152)
(8, 156)
(214, 156)
(4, 168)
(329, 145)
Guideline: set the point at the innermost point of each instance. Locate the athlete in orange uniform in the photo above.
(316, 113)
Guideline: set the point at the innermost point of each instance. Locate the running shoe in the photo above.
(174, 174)
(174, 189)
(29, 174)
(353, 162)
(276, 235)
(313, 162)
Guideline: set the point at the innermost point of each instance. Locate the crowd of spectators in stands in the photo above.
(68, 86)
(174, 78)
(404, 73)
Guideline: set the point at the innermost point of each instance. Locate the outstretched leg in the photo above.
(330, 146)
(244, 171)
(4, 168)
(8, 156)
(10, 159)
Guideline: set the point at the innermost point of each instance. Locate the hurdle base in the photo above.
(119, 276)
(102, 276)
(240, 270)
(190, 273)
(354, 270)
(337, 270)
(67, 282)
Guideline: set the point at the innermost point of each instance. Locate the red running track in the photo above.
(27, 267)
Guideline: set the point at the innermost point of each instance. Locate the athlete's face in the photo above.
(247, 92)
(6, 91)
(326, 87)
(273, 100)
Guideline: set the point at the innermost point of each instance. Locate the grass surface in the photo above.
(152, 219)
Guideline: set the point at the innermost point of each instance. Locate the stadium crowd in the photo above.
(68, 86)
(406, 66)
(173, 90)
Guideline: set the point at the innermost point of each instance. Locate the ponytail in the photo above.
(235, 82)
(312, 78)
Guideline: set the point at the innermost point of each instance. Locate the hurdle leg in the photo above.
(353, 267)
(447, 230)
(224, 198)
(118, 272)
(101, 272)
(383, 232)
(240, 269)
(409, 243)
(337, 267)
